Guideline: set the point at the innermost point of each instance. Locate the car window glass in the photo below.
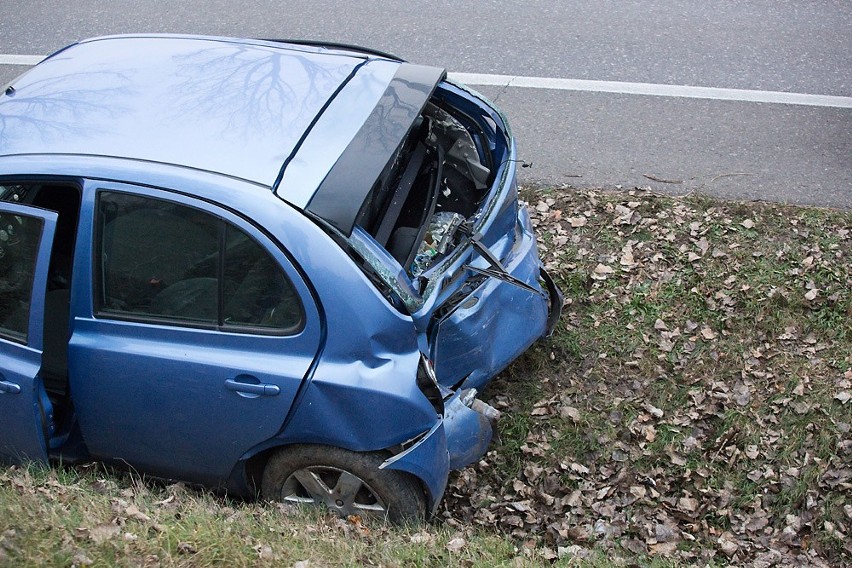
(257, 293)
(158, 258)
(19, 240)
(64, 200)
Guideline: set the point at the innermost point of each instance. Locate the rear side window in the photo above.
(159, 260)
(19, 241)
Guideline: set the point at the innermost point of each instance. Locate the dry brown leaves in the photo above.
(703, 412)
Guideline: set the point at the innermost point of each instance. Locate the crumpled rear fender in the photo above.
(429, 461)
(362, 405)
(468, 432)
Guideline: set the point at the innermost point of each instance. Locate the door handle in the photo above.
(11, 388)
(258, 389)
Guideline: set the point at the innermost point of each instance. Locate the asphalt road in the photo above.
(730, 148)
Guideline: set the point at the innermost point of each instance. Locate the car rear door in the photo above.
(157, 381)
(26, 238)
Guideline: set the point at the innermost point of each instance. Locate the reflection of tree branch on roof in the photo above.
(51, 108)
(395, 115)
(256, 88)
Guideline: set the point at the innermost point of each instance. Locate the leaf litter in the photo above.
(694, 403)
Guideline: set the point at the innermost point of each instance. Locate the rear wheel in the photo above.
(347, 483)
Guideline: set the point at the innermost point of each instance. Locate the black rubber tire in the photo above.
(399, 497)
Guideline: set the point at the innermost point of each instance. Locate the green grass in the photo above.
(64, 517)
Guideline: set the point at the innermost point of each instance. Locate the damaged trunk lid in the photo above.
(437, 225)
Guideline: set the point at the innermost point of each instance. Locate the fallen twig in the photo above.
(661, 180)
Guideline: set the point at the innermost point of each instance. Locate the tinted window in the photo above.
(65, 201)
(19, 240)
(162, 260)
(256, 291)
(158, 258)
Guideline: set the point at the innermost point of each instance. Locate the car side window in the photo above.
(166, 261)
(19, 240)
(256, 291)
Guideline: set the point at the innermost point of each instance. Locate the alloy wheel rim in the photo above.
(341, 491)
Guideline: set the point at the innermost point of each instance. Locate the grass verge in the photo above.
(692, 408)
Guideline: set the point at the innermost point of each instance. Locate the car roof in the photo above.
(239, 108)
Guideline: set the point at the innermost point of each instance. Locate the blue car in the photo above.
(266, 267)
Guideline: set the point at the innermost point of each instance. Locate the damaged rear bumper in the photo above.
(429, 461)
(556, 300)
(457, 440)
(468, 423)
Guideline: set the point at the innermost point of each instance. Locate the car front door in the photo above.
(201, 335)
(26, 237)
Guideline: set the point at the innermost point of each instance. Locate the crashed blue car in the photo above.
(266, 267)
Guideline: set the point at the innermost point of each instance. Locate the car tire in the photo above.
(347, 483)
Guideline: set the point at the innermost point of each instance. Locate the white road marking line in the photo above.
(652, 89)
(649, 89)
(20, 59)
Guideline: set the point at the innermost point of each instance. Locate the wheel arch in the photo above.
(245, 479)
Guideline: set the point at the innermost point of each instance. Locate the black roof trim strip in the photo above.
(313, 123)
(341, 194)
(339, 46)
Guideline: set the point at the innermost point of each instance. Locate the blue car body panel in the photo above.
(127, 376)
(427, 460)
(339, 198)
(208, 104)
(468, 432)
(333, 132)
(481, 335)
(22, 432)
(265, 137)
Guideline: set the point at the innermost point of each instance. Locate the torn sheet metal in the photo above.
(468, 425)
